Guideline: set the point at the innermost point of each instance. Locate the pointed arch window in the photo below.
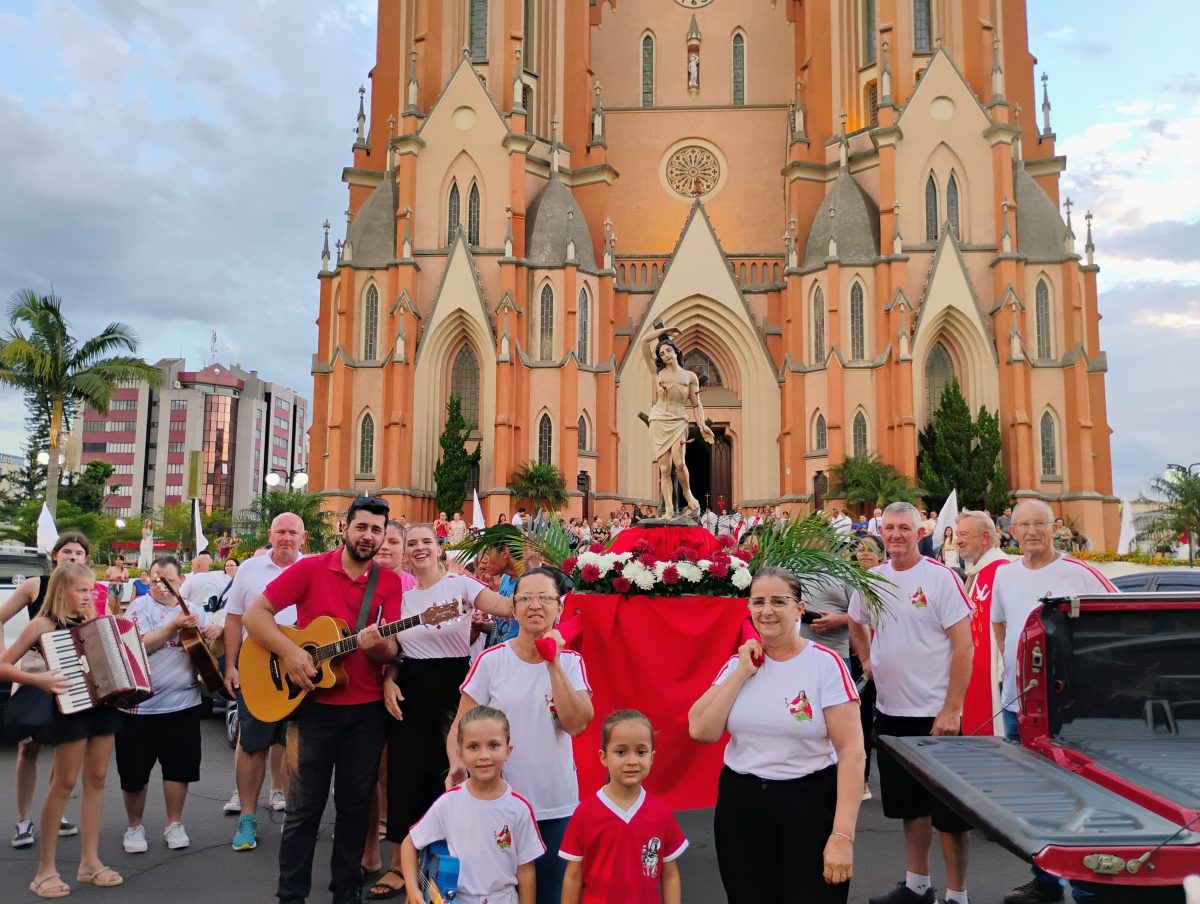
(1049, 445)
(545, 441)
(922, 26)
(818, 326)
(366, 445)
(370, 344)
(546, 324)
(453, 205)
(581, 427)
(859, 435)
(473, 216)
(952, 206)
(739, 70)
(931, 210)
(858, 327)
(527, 58)
(648, 71)
(464, 383)
(478, 29)
(820, 434)
(1041, 308)
(939, 371)
(583, 317)
(868, 20)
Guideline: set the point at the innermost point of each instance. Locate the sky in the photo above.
(169, 165)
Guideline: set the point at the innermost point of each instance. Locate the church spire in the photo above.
(413, 86)
(325, 246)
(554, 147)
(360, 140)
(885, 75)
(997, 73)
(843, 146)
(1046, 130)
(1089, 246)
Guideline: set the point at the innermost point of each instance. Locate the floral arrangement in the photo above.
(684, 573)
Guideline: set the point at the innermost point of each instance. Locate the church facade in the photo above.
(841, 203)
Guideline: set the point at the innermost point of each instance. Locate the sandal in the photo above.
(105, 877)
(51, 886)
(382, 832)
(382, 890)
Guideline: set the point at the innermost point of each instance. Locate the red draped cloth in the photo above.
(666, 540)
(657, 655)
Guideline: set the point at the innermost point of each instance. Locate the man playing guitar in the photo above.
(343, 725)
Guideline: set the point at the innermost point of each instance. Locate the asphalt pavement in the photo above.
(209, 871)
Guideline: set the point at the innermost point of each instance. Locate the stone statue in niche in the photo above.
(694, 69)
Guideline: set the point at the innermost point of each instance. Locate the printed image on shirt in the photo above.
(800, 708)
(650, 858)
(919, 600)
(550, 707)
(504, 839)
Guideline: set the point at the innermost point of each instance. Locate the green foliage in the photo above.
(1177, 493)
(957, 452)
(544, 485)
(252, 524)
(866, 480)
(100, 529)
(86, 490)
(546, 538)
(454, 467)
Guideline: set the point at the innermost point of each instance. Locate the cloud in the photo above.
(1169, 240)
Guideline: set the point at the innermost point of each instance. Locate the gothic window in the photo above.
(859, 432)
(931, 223)
(647, 71)
(478, 29)
(584, 325)
(473, 216)
(858, 343)
(818, 326)
(820, 434)
(464, 383)
(939, 371)
(872, 93)
(868, 32)
(366, 445)
(739, 70)
(1041, 307)
(546, 324)
(581, 427)
(1049, 446)
(703, 367)
(952, 206)
(527, 103)
(922, 26)
(545, 441)
(370, 344)
(452, 213)
(528, 51)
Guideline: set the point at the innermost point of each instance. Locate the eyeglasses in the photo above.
(1031, 525)
(758, 603)
(546, 599)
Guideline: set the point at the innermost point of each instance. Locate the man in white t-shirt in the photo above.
(1016, 594)
(920, 658)
(841, 521)
(257, 739)
(203, 583)
(875, 525)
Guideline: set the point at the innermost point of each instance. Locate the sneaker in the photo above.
(66, 827)
(135, 840)
(246, 836)
(278, 799)
(902, 894)
(867, 795)
(1035, 891)
(233, 806)
(24, 834)
(176, 836)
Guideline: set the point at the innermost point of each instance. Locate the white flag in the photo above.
(946, 518)
(201, 543)
(1128, 533)
(47, 531)
(477, 522)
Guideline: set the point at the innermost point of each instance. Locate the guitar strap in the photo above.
(368, 595)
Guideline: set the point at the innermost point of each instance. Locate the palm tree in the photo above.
(866, 480)
(39, 355)
(542, 484)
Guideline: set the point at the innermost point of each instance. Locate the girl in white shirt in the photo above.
(788, 797)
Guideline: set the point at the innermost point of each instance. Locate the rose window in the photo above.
(693, 171)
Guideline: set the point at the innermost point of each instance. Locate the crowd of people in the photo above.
(463, 731)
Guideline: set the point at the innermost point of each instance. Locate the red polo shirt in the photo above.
(318, 585)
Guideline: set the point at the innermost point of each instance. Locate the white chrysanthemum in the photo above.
(660, 566)
(741, 578)
(703, 565)
(644, 579)
(689, 571)
(623, 557)
(602, 561)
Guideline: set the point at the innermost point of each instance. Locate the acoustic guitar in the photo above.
(439, 874)
(272, 696)
(203, 660)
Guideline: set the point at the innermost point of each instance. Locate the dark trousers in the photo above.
(866, 710)
(416, 744)
(342, 743)
(550, 868)
(770, 838)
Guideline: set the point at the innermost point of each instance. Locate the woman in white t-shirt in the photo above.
(788, 797)
(421, 693)
(547, 701)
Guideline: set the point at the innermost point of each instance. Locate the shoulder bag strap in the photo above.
(368, 595)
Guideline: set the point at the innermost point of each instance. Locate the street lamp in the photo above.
(298, 479)
(1188, 471)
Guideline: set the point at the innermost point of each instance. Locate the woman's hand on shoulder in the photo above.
(750, 656)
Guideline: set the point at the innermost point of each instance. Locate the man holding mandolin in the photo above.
(342, 725)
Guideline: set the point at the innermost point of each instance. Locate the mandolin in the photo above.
(203, 660)
(272, 696)
(438, 876)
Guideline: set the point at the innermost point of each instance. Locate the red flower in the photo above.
(726, 540)
(647, 559)
(590, 573)
(622, 585)
(718, 569)
(721, 558)
(596, 547)
(685, 554)
(569, 564)
(743, 554)
(670, 575)
(642, 547)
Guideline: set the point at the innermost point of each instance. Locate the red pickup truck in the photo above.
(1104, 788)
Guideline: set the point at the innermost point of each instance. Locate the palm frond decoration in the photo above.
(811, 548)
(546, 538)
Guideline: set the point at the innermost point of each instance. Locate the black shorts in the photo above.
(903, 796)
(255, 736)
(170, 739)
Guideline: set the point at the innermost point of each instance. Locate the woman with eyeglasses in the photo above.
(788, 797)
(548, 701)
(421, 693)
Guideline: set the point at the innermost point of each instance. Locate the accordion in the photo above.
(103, 659)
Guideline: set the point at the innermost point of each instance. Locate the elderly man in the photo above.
(203, 584)
(920, 658)
(1019, 587)
(975, 537)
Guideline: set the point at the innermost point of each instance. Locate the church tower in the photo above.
(842, 203)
